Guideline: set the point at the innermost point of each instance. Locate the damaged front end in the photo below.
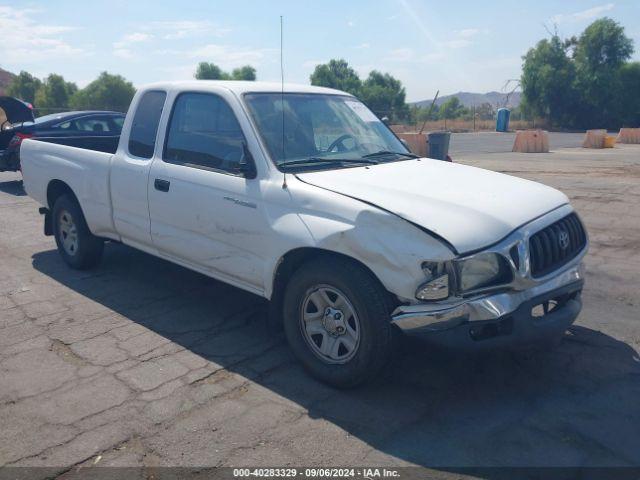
(526, 287)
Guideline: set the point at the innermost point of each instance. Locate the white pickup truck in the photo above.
(301, 195)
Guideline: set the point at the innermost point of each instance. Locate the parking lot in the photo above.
(143, 363)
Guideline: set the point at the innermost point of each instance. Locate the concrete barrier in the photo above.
(609, 141)
(629, 135)
(418, 143)
(531, 141)
(594, 138)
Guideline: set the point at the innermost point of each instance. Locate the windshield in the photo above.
(322, 131)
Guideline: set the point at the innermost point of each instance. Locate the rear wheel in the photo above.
(336, 319)
(79, 248)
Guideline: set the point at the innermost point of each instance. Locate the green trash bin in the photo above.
(439, 145)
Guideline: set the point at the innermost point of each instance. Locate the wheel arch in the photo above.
(292, 260)
(55, 189)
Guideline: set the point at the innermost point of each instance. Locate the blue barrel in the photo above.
(502, 120)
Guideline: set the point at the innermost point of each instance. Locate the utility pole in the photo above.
(474, 117)
(428, 117)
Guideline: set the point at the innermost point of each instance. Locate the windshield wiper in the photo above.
(327, 161)
(383, 153)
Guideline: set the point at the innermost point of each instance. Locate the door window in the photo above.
(204, 132)
(142, 139)
(93, 124)
(118, 122)
(69, 126)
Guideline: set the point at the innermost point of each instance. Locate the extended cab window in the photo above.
(142, 139)
(204, 132)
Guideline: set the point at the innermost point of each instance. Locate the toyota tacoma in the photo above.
(301, 195)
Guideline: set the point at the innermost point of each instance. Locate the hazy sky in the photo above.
(451, 46)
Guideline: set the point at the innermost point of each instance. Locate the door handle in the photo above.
(161, 185)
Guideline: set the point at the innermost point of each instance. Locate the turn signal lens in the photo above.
(437, 289)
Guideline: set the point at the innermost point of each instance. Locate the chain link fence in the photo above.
(470, 122)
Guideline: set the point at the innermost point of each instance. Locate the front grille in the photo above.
(557, 244)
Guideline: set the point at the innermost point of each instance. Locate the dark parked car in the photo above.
(93, 130)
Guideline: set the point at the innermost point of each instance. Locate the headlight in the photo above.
(437, 285)
(483, 270)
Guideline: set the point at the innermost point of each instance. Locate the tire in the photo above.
(79, 248)
(360, 345)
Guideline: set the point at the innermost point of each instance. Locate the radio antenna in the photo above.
(284, 178)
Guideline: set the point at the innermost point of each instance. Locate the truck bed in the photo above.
(85, 171)
(106, 144)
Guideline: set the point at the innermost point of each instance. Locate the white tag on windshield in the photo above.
(362, 111)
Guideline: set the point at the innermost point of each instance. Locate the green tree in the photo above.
(547, 82)
(381, 92)
(485, 111)
(422, 113)
(603, 45)
(452, 108)
(24, 87)
(582, 81)
(210, 71)
(337, 74)
(628, 98)
(107, 92)
(385, 96)
(600, 52)
(244, 73)
(54, 93)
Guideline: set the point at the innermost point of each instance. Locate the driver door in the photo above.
(204, 211)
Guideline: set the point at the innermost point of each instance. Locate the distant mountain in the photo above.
(469, 99)
(5, 79)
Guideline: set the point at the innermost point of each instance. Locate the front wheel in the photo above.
(336, 319)
(79, 248)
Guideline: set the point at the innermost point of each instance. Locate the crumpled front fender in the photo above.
(391, 247)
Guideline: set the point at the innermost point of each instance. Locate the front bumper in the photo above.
(498, 319)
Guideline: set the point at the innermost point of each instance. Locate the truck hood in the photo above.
(469, 207)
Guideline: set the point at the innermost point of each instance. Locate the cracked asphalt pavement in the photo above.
(143, 363)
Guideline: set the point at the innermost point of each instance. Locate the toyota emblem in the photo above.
(563, 240)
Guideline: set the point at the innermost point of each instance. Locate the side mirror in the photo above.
(246, 167)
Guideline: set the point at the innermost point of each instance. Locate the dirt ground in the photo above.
(143, 363)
